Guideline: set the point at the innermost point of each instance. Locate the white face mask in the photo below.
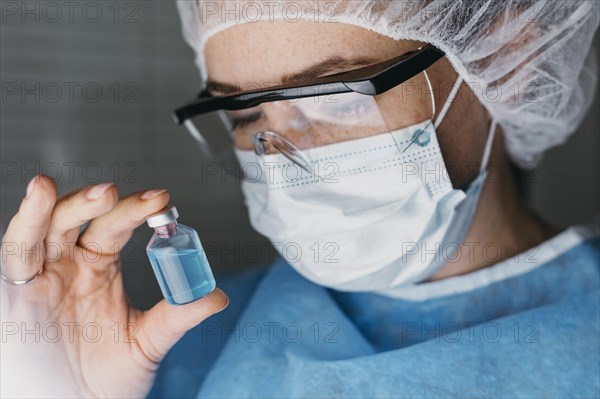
(363, 230)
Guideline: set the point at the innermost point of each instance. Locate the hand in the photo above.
(81, 286)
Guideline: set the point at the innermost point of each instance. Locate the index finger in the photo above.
(23, 252)
(110, 232)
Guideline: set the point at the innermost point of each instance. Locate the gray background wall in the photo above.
(87, 96)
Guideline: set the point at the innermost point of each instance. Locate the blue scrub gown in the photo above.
(526, 327)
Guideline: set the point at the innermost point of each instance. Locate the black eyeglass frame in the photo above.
(369, 80)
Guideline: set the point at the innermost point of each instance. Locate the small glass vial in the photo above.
(178, 259)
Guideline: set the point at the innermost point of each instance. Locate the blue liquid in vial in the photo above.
(184, 275)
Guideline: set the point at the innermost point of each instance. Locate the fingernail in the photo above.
(147, 195)
(30, 187)
(97, 191)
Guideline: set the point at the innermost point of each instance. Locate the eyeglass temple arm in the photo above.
(252, 99)
(399, 72)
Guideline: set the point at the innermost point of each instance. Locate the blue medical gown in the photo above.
(526, 327)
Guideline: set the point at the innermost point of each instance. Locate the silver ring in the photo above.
(21, 282)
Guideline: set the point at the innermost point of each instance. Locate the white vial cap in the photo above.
(162, 217)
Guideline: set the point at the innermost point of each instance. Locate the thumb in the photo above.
(163, 325)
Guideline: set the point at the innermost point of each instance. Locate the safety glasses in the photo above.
(335, 103)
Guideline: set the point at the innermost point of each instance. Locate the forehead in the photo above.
(265, 51)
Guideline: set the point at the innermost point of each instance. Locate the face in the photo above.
(266, 53)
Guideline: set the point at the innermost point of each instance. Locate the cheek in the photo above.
(462, 136)
(243, 141)
(407, 104)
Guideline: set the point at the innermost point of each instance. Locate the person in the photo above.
(415, 270)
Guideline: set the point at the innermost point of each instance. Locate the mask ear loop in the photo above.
(432, 111)
(490, 139)
(431, 95)
(444, 110)
(488, 146)
(448, 102)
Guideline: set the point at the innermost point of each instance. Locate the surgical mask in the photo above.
(378, 213)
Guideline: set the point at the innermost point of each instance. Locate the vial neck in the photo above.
(166, 231)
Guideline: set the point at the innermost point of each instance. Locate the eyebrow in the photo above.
(330, 65)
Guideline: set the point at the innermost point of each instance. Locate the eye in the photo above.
(344, 112)
(347, 108)
(243, 119)
(352, 109)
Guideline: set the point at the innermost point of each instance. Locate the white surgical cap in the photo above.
(529, 62)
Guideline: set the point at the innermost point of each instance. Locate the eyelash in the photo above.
(349, 110)
(243, 121)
